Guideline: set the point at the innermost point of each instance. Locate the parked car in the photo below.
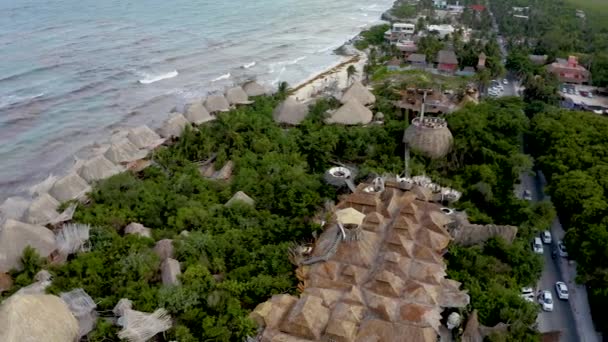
(546, 236)
(505, 81)
(562, 249)
(527, 195)
(584, 93)
(571, 91)
(562, 290)
(590, 95)
(537, 246)
(527, 293)
(546, 300)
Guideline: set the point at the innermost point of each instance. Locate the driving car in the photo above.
(527, 293)
(562, 249)
(546, 236)
(562, 290)
(537, 246)
(527, 195)
(546, 300)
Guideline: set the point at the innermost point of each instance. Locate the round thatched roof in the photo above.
(69, 187)
(36, 317)
(15, 236)
(197, 113)
(42, 210)
(144, 137)
(252, 88)
(290, 112)
(351, 113)
(217, 103)
(430, 137)
(359, 92)
(97, 168)
(174, 126)
(237, 95)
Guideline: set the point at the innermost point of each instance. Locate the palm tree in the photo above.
(350, 72)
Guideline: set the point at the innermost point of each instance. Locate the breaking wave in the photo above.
(223, 77)
(249, 65)
(155, 78)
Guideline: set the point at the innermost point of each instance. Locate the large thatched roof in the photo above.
(124, 151)
(35, 318)
(351, 113)
(15, 236)
(42, 210)
(69, 187)
(197, 113)
(237, 96)
(217, 103)
(144, 137)
(173, 126)
(253, 88)
(290, 112)
(358, 92)
(434, 141)
(98, 168)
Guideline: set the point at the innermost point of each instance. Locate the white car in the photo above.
(527, 293)
(546, 300)
(562, 290)
(537, 246)
(562, 249)
(505, 81)
(546, 236)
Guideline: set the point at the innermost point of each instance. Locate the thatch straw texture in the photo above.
(350, 216)
(290, 112)
(15, 236)
(237, 96)
(124, 151)
(432, 142)
(42, 210)
(217, 103)
(35, 318)
(174, 126)
(141, 326)
(240, 197)
(254, 89)
(197, 113)
(358, 92)
(14, 208)
(69, 187)
(144, 137)
(351, 113)
(307, 319)
(98, 168)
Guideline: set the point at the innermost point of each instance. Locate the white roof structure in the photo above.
(359, 92)
(351, 113)
(174, 126)
(124, 151)
(98, 168)
(217, 103)
(42, 210)
(290, 112)
(69, 187)
(35, 318)
(252, 88)
(15, 236)
(198, 114)
(144, 137)
(237, 96)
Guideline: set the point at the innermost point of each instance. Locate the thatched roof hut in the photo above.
(170, 270)
(290, 112)
(237, 96)
(174, 126)
(429, 136)
(42, 210)
(124, 151)
(252, 88)
(144, 137)
(350, 216)
(240, 197)
(15, 236)
(359, 92)
(197, 113)
(69, 187)
(36, 317)
(308, 318)
(98, 168)
(140, 326)
(217, 103)
(351, 113)
(14, 208)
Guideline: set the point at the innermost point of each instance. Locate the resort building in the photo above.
(447, 61)
(442, 30)
(417, 60)
(399, 31)
(406, 47)
(569, 71)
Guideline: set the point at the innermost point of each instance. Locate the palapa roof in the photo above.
(217, 103)
(253, 88)
(174, 126)
(237, 96)
(42, 210)
(141, 326)
(290, 112)
(433, 142)
(447, 57)
(241, 197)
(359, 92)
(351, 113)
(15, 236)
(417, 58)
(197, 113)
(69, 187)
(144, 137)
(350, 216)
(36, 317)
(98, 168)
(124, 151)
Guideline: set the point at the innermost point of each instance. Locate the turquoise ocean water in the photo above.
(72, 71)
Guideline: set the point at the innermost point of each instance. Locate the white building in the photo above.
(443, 30)
(440, 3)
(399, 31)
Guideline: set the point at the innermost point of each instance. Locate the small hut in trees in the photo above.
(237, 96)
(124, 151)
(98, 168)
(70, 187)
(351, 113)
(290, 112)
(217, 103)
(358, 92)
(140, 326)
(144, 137)
(15, 236)
(252, 89)
(35, 318)
(197, 113)
(174, 126)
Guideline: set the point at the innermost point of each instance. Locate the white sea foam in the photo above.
(249, 65)
(155, 78)
(223, 77)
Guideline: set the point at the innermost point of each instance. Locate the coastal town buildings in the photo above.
(399, 31)
(417, 60)
(442, 30)
(447, 62)
(569, 71)
(406, 47)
